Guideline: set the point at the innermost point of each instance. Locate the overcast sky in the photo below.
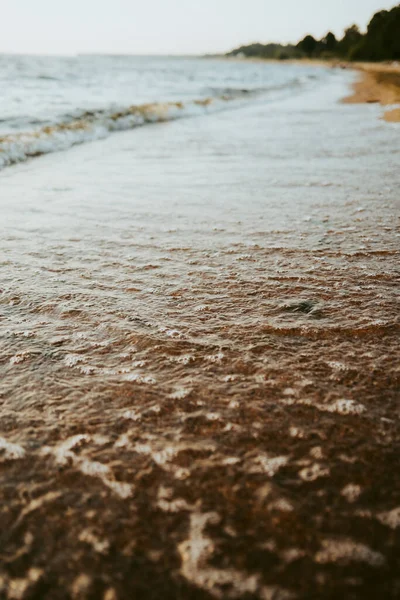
(170, 26)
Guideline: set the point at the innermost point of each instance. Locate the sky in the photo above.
(170, 26)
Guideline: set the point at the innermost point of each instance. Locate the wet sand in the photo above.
(199, 393)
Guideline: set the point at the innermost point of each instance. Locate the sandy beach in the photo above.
(378, 83)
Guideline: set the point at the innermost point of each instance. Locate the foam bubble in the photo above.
(390, 518)
(11, 451)
(346, 551)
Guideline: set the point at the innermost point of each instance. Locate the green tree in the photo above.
(352, 37)
(308, 45)
(330, 42)
(382, 40)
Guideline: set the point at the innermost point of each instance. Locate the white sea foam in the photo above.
(346, 551)
(90, 126)
(11, 451)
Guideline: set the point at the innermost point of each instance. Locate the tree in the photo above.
(392, 33)
(382, 40)
(308, 45)
(351, 38)
(330, 42)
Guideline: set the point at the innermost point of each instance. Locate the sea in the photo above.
(198, 331)
(50, 104)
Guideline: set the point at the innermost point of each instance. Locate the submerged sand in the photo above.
(199, 391)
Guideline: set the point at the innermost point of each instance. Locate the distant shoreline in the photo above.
(378, 83)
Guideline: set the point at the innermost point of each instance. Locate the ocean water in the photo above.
(51, 104)
(198, 332)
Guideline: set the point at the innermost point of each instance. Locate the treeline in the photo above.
(380, 42)
(275, 51)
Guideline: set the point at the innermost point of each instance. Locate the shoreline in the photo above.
(377, 82)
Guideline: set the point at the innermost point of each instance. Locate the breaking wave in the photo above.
(94, 125)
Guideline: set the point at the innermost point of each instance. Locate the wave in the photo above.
(287, 85)
(97, 124)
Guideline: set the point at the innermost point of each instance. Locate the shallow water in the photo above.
(42, 90)
(199, 358)
(49, 104)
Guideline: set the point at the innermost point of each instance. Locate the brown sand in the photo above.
(392, 116)
(377, 83)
